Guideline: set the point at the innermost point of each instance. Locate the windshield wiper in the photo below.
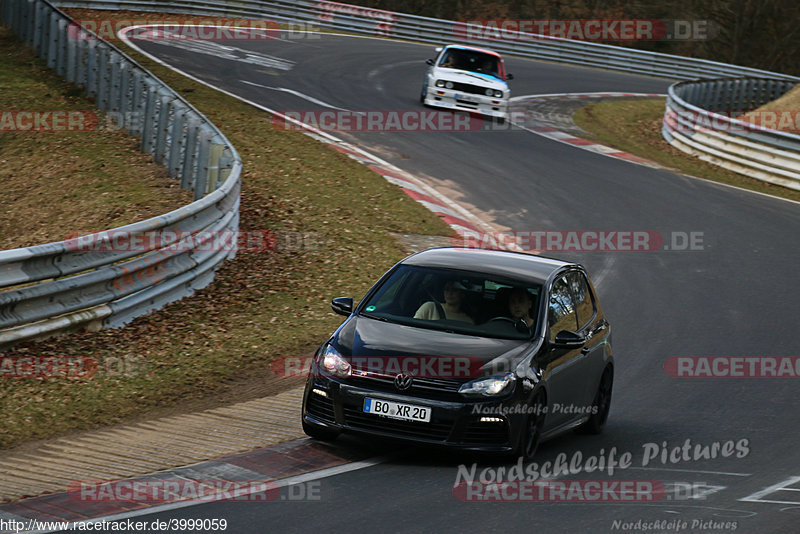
(376, 317)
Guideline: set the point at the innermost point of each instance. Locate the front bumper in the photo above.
(450, 99)
(453, 423)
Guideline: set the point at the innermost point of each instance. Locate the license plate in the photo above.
(461, 98)
(397, 410)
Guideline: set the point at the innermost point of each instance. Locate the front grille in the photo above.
(320, 407)
(477, 433)
(428, 388)
(436, 431)
(469, 88)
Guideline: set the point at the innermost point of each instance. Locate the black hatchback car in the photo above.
(482, 350)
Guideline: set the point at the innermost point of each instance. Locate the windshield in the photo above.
(471, 60)
(456, 301)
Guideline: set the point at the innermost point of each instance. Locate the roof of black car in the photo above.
(515, 265)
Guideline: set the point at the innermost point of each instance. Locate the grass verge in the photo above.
(635, 126)
(59, 181)
(216, 346)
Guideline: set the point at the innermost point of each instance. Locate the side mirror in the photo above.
(342, 305)
(569, 340)
(429, 61)
(509, 76)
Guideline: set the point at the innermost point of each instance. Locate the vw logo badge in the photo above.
(403, 381)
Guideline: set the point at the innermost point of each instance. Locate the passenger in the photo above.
(452, 307)
(489, 67)
(519, 305)
(449, 61)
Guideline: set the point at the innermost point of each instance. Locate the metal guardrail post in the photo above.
(203, 153)
(32, 25)
(61, 48)
(126, 92)
(136, 108)
(163, 118)
(43, 20)
(116, 92)
(71, 68)
(81, 61)
(148, 135)
(103, 78)
(214, 166)
(189, 163)
(177, 141)
(91, 68)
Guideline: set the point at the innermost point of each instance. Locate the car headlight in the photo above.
(489, 92)
(449, 85)
(332, 363)
(498, 94)
(439, 83)
(493, 385)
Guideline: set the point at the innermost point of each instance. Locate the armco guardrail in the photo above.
(49, 288)
(369, 21)
(700, 120)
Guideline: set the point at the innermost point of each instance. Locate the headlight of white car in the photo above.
(498, 94)
(489, 386)
(439, 83)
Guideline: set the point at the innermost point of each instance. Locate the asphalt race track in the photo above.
(736, 295)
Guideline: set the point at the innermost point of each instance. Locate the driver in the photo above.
(449, 61)
(519, 305)
(453, 305)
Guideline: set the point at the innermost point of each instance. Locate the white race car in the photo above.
(469, 79)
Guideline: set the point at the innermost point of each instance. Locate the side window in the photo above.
(385, 299)
(561, 314)
(584, 302)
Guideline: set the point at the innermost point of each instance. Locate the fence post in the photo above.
(203, 152)
(91, 68)
(162, 127)
(148, 137)
(189, 154)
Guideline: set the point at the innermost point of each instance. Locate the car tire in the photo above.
(320, 433)
(532, 432)
(601, 405)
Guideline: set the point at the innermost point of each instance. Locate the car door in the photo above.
(591, 325)
(561, 366)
